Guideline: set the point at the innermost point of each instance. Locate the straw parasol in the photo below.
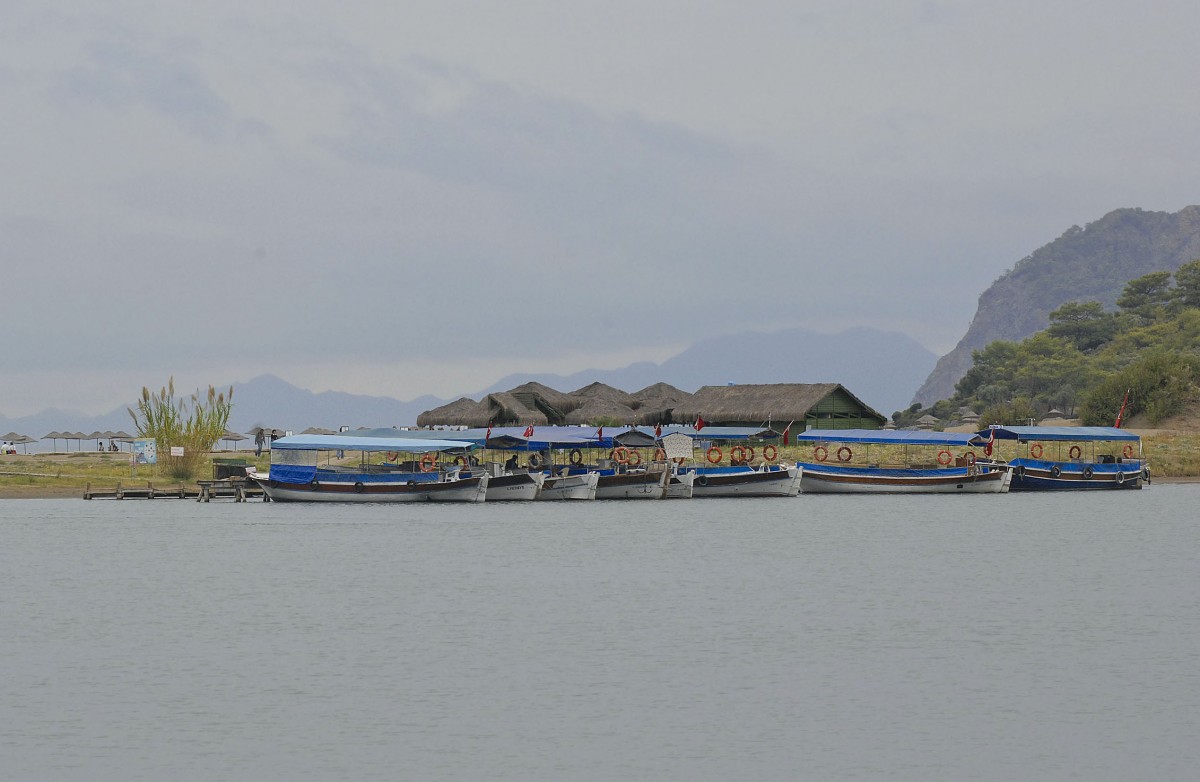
(19, 439)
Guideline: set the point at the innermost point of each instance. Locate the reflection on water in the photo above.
(986, 637)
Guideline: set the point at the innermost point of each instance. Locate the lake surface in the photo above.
(992, 637)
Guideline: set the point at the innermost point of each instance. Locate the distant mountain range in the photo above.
(881, 368)
(1084, 264)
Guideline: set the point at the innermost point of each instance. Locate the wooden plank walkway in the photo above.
(238, 491)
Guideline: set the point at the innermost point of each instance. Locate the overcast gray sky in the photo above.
(400, 198)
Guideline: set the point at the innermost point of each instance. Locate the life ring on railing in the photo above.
(849, 454)
(575, 457)
(1127, 450)
(392, 456)
(535, 461)
(1075, 452)
(1035, 450)
(461, 461)
(635, 458)
(679, 460)
(659, 454)
(820, 453)
(770, 453)
(944, 457)
(714, 455)
(970, 457)
(621, 454)
(737, 454)
(1088, 472)
(428, 462)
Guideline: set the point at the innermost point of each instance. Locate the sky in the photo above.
(400, 198)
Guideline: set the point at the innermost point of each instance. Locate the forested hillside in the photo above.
(1090, 359)
(1084, 264)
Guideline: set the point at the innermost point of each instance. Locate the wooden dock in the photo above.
(204, 491)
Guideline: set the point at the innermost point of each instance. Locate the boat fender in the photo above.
(1035, 450)
(1075, 452)
(621, 454)
(1146, 474)
(1056, 471)
(575, 457)
(844, 454)
(1088, 473)
(358, 487)
(1120, 478)
(535, 461)
(428, 462)
(820, 453)
(1128, 451)
(702, 480)
(659, 454)
(944, 457)
(635, 458)
(770, 453)
(714, 455)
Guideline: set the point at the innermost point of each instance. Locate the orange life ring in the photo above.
(679, 460)
(944, 457)
(621, 454)
(659, 454)
(575, 457)
(848, 454)
(392, 456)
(428, 462)
(749, 453)
(737, 454)
(1075, 452)
(1128, 451)
(714, 455)
(970, 458)
(635, 458)
(770, 453)
(820, 453)
(1035, 450)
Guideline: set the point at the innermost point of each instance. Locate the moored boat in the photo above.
(297, 475)
(1053, 458)
(900, 462)
(763, 481)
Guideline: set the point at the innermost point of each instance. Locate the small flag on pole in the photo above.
(488, 436)
(699, 423)
(600, 433)
(528, 431)
(787, 433)
(1121, 412)
(658, 431)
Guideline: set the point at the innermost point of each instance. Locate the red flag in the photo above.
(528, 431)
(658, 431)
(699, 423)
(1121, 413)
(600, 433)
(787, 433)
(991, 441)
(488, 436)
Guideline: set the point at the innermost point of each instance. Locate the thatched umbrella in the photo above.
(54, 437)
(18, 439)
(233, 437)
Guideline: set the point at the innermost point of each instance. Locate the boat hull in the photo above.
(818, 478)
(581, 486)
(681, 486)
(632, 486)
(473, 489)
(776, 482)
(516, 487)
(1040, 475)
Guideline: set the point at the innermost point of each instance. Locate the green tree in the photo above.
(1084, 324)
(171, 422)
(1146, 296)
(1160, 384)
(1187, 284)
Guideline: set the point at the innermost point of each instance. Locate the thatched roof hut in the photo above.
(656, 404)
(599, 409)
(817, 405)
(554, 405)
(460, 412)
(604, 392)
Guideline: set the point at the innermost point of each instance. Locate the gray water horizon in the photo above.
(989, 637)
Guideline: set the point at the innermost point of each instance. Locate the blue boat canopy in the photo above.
(347, 442)
(1068, 433)
(890, 437)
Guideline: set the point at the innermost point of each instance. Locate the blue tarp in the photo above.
(293, 473)
(1071, 433)
(347, 442)
(889, 437)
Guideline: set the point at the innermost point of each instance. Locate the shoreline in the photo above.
(74, 492)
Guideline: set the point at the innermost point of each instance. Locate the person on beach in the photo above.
(258, 442)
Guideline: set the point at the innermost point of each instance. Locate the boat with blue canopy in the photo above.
(316, 468)
(870, 461)
(1069, 457)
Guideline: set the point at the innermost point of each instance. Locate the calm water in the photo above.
(924, 638)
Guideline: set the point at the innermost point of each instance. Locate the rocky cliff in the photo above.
(1084, 264)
